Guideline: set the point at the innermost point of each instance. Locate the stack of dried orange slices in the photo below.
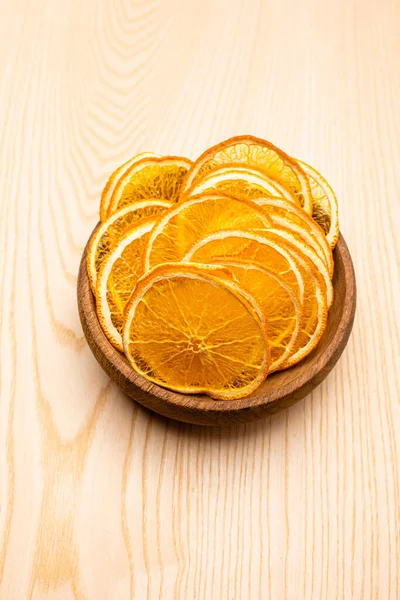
(211, 275)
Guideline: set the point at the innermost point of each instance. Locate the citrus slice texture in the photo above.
(108, 234)
(113, 180)
(185, 223)
(292, 217)
(250, 151)
(150, 178)
(242, 182)
(315, 316)
(223, 247)
(195, 333)
(117, 278)
(276, 300)
(282, 259)
(318, 264)
(325, 206)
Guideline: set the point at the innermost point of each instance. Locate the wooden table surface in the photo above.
(99, 499)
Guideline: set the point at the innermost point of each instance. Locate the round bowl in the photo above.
(279, 391)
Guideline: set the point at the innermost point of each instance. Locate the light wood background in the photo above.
(99, 499)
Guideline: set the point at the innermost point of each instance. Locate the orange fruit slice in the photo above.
(107, 235)
(195, 333)
(185, 223)
(294, 238)
(150, 178)
(282, 259)
(292, 217)
(315, 317)
(277, 301)
(250, 151)
(117, 278)
(241, 182)
(325, 206)
(113, 180)
(223, 247)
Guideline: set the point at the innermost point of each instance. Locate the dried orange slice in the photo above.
(265, 252)
(277, 301)
(150, 178)
(241, 182)
(250, 151)
(117, 278)
(223, 247)
(325, 206)
(284, 213)
(297, 240)
(315, 317)
(185, 223)
(195, 333)
(108, 234)
(113, 180)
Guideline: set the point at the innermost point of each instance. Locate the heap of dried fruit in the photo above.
(211, 275)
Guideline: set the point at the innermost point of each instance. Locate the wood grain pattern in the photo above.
(100, 499)
(280, 390)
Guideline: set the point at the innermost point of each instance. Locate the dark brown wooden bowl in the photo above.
(279, 391)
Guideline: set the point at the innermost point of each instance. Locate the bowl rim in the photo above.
(201, 403)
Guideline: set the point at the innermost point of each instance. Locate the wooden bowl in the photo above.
(279, 391)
